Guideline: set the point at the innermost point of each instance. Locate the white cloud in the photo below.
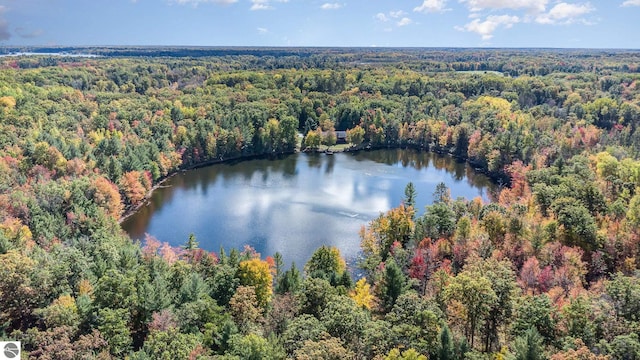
(404, 21)
(431, 6)
(262, 30)
(399, 15)
(330, 6)
(382, 17)
(491, 24)
(262, 4)
(529, 5)
(198, 2)
(564, 13)
(631, 3)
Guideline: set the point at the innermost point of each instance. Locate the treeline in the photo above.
(513, 62)
(549, 269)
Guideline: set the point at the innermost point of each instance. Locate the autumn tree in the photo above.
(245, 308)
(313, 139)
(257, 273)
(362, 295)
(471, 298)
(132, 187)
(355, 136)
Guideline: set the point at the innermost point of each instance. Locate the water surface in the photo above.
(297, 203)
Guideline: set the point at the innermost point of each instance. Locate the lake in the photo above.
(296, 203)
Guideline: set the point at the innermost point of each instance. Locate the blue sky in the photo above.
(411, 23)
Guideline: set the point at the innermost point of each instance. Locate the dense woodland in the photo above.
(550, 270)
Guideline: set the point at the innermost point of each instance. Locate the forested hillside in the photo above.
(550, 270)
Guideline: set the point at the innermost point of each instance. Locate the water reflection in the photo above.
(296, 203)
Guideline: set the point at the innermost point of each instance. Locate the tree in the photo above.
(438, 221)
(578, 224)
(106, 195)
(313, 139)
(329, 138)
(132, 187)
(112, 324)
(410, 195)
(410, 354)
(302, 328)
(18, 296)
(625, 296)
(441, 194)
(471, 298)
(244, 308)
(115, 289)
(577, 320)
(529, 346)
(194, 317)
(171, 344)
(362, 294)
(315, 295)
(394, 226)
(62, 312)
(288, 127)
(579, 352)
(325, 262)
(503, 284)
(255, 347)
(393, 284)
(191, 247)
(446, 349)
(355, 136)
(633, 214)
(223, 283)
(324, 349)
(192, 243)
(257, 273)
(290, 281)
(345, 320)
(278, 262)
(535, 311)
(414, 323)
(626, 347)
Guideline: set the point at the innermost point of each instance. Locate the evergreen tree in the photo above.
(529, 346)
(410, 194)
(393, 284)
(445, 352)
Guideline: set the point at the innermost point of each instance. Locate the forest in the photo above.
(549, 270)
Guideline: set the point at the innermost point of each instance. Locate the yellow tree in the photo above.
(355, 136)
(362, 295)
(396, 225)
(313, 139)
(257, 273)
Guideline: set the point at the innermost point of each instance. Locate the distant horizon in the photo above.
(553, 24)
(38, 47)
